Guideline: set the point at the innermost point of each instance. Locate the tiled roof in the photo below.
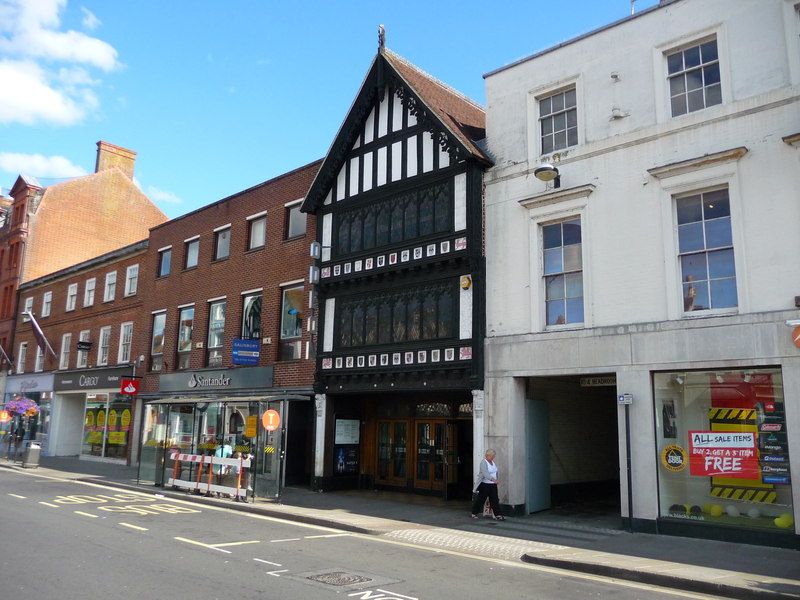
(464, 118)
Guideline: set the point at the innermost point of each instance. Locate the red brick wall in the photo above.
(279, 261)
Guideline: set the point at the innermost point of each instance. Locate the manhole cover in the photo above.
(340, 578)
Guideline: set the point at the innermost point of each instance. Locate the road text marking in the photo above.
(51, 505)
(180, 539)
(266, 562)
(18, 496)
(134, 527)
(85, 514)
(275, 573)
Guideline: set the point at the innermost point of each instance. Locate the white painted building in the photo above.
(663, 263)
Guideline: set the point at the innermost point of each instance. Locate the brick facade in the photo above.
(279, 261)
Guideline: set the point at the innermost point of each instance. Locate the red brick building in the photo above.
(87, 314)
(226, 333)
(53, 227)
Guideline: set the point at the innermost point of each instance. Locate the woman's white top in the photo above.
(490, 475)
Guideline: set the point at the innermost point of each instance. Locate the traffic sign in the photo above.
(5, 416)
(271, 420)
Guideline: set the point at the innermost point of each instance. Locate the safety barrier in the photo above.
(203, 481)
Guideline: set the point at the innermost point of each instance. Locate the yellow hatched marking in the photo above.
(737, 494)
(771, 497)
(85, 514)
(726, 492)
(748, 494)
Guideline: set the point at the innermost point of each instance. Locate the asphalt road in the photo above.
(67, 540)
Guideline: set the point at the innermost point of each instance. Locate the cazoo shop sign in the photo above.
(98, 379)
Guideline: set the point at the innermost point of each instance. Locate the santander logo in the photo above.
(130, 388)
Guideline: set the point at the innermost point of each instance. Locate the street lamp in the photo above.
(547, 172)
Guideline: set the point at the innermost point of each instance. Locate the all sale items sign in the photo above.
(723, 454)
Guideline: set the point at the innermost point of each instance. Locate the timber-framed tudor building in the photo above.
(400, 294)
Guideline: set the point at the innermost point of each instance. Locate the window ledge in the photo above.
(693, 164)
(219, 260)
(565, 327)
(192, 268)
(792, 140)
(254, 250)
(558, 195)
(295, 238)
(711, 312)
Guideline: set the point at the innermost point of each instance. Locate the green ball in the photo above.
(715, 510)
(784, 521)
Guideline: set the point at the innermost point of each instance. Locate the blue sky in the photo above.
(217, 96)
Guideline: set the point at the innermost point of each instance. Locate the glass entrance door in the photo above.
(269, 450)
(94, 426)
(392, 452)
(436, 458)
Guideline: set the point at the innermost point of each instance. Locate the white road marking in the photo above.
(85, 514)
(50, 505)
(18, 496)
(266, 562)
(286, 540)
(275, 573)
(235, 543)
(134, 527)
(180, 539)
(327, 535)
(395, 594)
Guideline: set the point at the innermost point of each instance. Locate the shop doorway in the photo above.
(573, 445)
(299, 442)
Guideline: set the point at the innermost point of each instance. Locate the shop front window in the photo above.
(723, 448)
(107, 426)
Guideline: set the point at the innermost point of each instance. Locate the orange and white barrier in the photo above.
(207, 463)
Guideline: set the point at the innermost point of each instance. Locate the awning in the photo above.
(293, 396)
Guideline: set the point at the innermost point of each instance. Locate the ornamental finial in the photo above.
(381, 37)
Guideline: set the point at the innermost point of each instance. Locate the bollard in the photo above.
(30, 459)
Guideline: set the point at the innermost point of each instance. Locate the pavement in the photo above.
(572, 542)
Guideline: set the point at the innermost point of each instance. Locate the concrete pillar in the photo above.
(505, 433)
(321, 405)
(478, 430)
(790, 370)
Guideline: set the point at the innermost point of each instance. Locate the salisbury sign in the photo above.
(216, 380)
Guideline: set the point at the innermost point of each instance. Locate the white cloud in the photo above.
(31, 40)
(39, 165)
(90, 20)
(160, 195)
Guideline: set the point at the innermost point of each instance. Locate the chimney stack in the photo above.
(109, 155)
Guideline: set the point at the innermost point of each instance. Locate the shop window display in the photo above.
(723, 448)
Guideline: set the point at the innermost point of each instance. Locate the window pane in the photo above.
(694, 80)
(358, 325)
(723, 293)
(560, 140)
(251, 317)
(689, 210)
(166, 257)
(678, 105)
(385, 324)
(345, 327)
(397, 224)
(554, 287)
(186, 321)
(695, 100)
(690, 237)
(693, 267)
(545, 107)
(572, 118)
(560, 122)
(695, 296)
(382, 227)
(572, 231)
(414, 319)
(574, 285)
(691, 57)
(442, 195)
(411, 220)
(575, 310)
(551, 235)
(556, 314)
(216, 325)
(547, 144)
(429, 317)
(297, 222)
(355, 233)
(675, 62)
(711, 74)
(713, 95)
(223, 243)
(572, 136)
(569, 98)
(399, 318)
(157, 345)
(572, 257)
(716, 204)
(558, 102)
(192, 253)
(721, 264)
(552, 261)
(371, 325)
(292, 316)
(445, 314)
(426, 216)
(344, 236)
(709, 51)
(258, 233)
(677, 85)
(547, 125)
(369, 230)
(718, 233)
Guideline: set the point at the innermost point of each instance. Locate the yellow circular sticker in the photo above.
(674, 458)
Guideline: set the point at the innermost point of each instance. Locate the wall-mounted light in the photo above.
(719, 378)
(547, 173)
(315, 250)
(678, 379)
(466, 282)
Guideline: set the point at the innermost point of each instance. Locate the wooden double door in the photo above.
(423, 452)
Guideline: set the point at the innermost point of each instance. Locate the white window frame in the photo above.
(110, 287)
(103, 345)
(541, 213)
(82, 358)
(47, 303)
(160, 253)
(63, 359)
(251, 220)
(287, 215)
(186, 245)
(72, 297)
(124, 349)
(681, 184)
(27, 308)
(131, 280)
(217, 232)
(38, 366)
(660, 73)
(22, 355)
(563, 273)
(534, 123)
(88, 291)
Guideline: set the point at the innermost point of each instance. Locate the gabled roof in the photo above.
(438, 107)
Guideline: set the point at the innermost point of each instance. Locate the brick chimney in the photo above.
(109, 155)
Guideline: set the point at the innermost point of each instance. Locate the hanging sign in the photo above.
(129, 387)
(271, 420)
(5, 416)
(723, 454)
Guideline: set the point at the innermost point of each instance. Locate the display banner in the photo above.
(723, 454)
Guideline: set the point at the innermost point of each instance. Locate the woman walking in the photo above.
(487, 487)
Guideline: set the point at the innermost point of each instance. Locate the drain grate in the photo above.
(339, 578)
